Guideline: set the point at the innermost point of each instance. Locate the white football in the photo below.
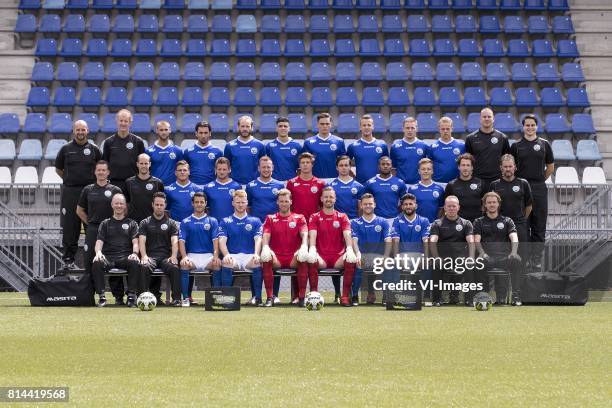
(314, 301)
(146, 301)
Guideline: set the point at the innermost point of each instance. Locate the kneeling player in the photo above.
(331, 244)
(198, 243)
(285, 245)
(239, 244)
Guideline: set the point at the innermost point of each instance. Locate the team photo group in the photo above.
(280, 204)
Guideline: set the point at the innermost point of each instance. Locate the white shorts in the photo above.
(242, 260)
(201, 261)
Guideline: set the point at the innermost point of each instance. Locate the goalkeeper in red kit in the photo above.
(284, 245)
(331, 245)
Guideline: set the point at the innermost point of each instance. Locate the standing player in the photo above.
(198, 244)
(221, 190)
(121, 150)
(283, 151)
(202, 155)
(467, 188)
(444, 152)
(180, 193)
(386, 189)
(325, 148)
(407, 152)
(497, 243)
(367, 151)
(487, 145)
(263, 190)
(371, 238)
(164, 154)
(117, 247)
(244, 151)
(139, 190)
(158, 243)
(239, 245)
(348, 190)
(429, 195)
(535, 163)
(75, 163)
(331, 244)
(285, 245)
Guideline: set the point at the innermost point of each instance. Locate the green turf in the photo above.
(286, 356)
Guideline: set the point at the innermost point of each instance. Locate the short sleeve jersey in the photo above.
(179, 199)
(330, 228)
(244, 157)
(387, 193)
(262, 197)
(348, 195)
(494, 234)
(444, 157)
(96, 201)
(199, 234)
(405, 157)
(366, 155)
(285, 158)
(78, 163)
(220, 197)
(469, 192)
(202, 162)
(158, 235)
(285, 232)
(117, 236)
(429, 199)
(531, 158)
(305, 195)
(163, 161)
(325, 151)
(240, 233)
(515, 195)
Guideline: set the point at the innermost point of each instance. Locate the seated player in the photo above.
(371, 237)
(239, 245)
(285, 245)
(198, 244)
(158, 243)
(331, 244)
(117, 247)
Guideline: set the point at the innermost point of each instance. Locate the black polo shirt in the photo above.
(159, 234)
(470, 194)
(96, 201)
(487, 149)
(451, 235)
(139, 195)
(495, 234)
(78, 163)
(122, 155)
(531, 158)
(515, 195)
(117, 236)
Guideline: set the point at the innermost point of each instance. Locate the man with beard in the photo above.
(367, 151)
(467, 188)
(325, 148)
(244, 152)
(202, 155)
(386, 189)
(139, 190)
(164, 154)
(408, 151)
(283, 151)
(220, 191)
(180, 193)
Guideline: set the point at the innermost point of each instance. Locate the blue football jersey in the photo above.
(240, 233)
(429, 199)
(285, 158)
(325, 151)
(405, 157)
(202, 163)
(220, 197)
(387, 193)
(366, 155)
(347, 196)
(410, 233)
(179, 199)
(199, 234)
(370, 232)
(262, 197)
(244, 157)
(163, 161)
(444, 156)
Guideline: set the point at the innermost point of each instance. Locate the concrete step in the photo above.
(14, 92)
(592, 21)
(594, 45)
(590, 5)
(597, 68)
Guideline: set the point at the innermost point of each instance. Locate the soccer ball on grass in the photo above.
(314, 301)
(146, 301)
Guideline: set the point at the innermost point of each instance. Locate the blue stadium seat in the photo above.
(270, 96)
(380, 123)
(398, 97)
(192, 97)
(563, 150)
(246, 4)
(119, 72)
(439, 4)
(169, 72)
(373, 96)
(319, 23)
(414, 4)
(296, 97)
(556, 123)
(246, 24)
(542, 49)
(537, 25)
(396, 122)
(518, 48)
(145, 72)
(246, 48)
(121, 47)
(318, 4)
(419, 48)
(510, 5)
(534, 5)
(343, 23)
(218, 97)
(109, 124)
(295, 5)
(320, 48)
(444, 48)
(551, 98)
(219, 122)
(468, 48)
(126, 4)
(46, 47)
(35, 123)
(471, 71)
(270, 24)
(391, 4)
(39, 97)
(174, 4)
(366, 5)
(572, 72)
(93, 72)
(90, 97)
(458, 122)
(50, 24)
(195, 48)
(320, 72)
(168, 117)
(422, 71)
(493, 48)
(298, 123)
(197, 24)
(514, 25)
(321, 97)
(547, 73)
(244, 71)
(189, 122)
(450, 97)
(30, 150)
(505, 122)
(344, 48)
(146, 48)
(446, 71)
(577, 98)
(489, 24)
(220, 48)
(219, 71)
(29, 4)
(427, 123)
(71, 47)
(587, 150)
(417, 23)
(296, 72)
(558, 5)
(396, 72)
(441, 23)
(270, 4)
(582, 123)
(124, 23)
(221, 23)
(522, 72)
(42, 73)
(172, 24)
(295, 48)
(343, 4)
(116, 97)
(368, 47)
(501, 97)
(141, 123)
(221, 4)
(67, 72)
(465, 24)
(346, 72)
(348, 123)
(102, 4)
(390, 24)
(294, 23)
(497, 72)
(567, 49)
(148, 23)
(394, 47)
(26, 23)
(245, 97)
(562, 25)
(9, 124)
(474, 96)
(267, 123)
(424, 96)
(371, 71)
(526, 98)
(59, 123)
(7, 150)
(463, 5)
(171, 48)
(473, 121)
(270, 72)
(99, 24)
(142, 97)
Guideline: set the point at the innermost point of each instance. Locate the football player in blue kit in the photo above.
(283, 151)
(244, 152)
(367, 151)
(202, 155)
(429, 195)
(164, 154)
(221, 190)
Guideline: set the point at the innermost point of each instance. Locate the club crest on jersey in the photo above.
(536, 148)
(417, 228)
(336, 224)
(172, 155)
(253, 150)
(149, 186)
(516, 189)
(378, 228)
(435, 145)
(206, 226)
(191, 194)
(394, 187)
(211, 156)
(333, 147)
(231, 192)
(63, 211)
(275, 191)
(272, 144)
(500, 225)
(108, 193)
(314, 189)
(292, 224)
(129, 145)
(125, 226)
(85, 247)
(459, 227)
(435, 194)
(164, 227)
(494, 140)
(170, 188)
(248, 227)
(378, 149)
(456, 150)
(86, 152)
(353, 190)
(211, 184)
(293, 152)
(473, 186)
(419, 151)
(252, 184)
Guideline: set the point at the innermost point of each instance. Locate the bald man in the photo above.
(139, 190)
(74, 163)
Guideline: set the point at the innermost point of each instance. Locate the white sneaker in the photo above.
(185, 303)
(276, 300)
(253, 301)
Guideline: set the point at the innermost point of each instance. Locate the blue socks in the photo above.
(357, 281)
(185, 283)
(257, 281)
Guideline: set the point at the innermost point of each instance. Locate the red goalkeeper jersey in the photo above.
(329, 227)
(305, 195)
(285, 232)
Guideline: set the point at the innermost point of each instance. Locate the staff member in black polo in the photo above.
(74, 163)
(487, 145)
(497, 243)
(467, 188)
(117, 247)
(158, 243)
(535, 163)
(94, 207)
(139, 190)
(451, 237)
(121, 150)
(516, 199)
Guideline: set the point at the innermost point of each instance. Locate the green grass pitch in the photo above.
(287, 356)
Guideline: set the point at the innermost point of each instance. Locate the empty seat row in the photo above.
(124, 4)
(586, 150)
